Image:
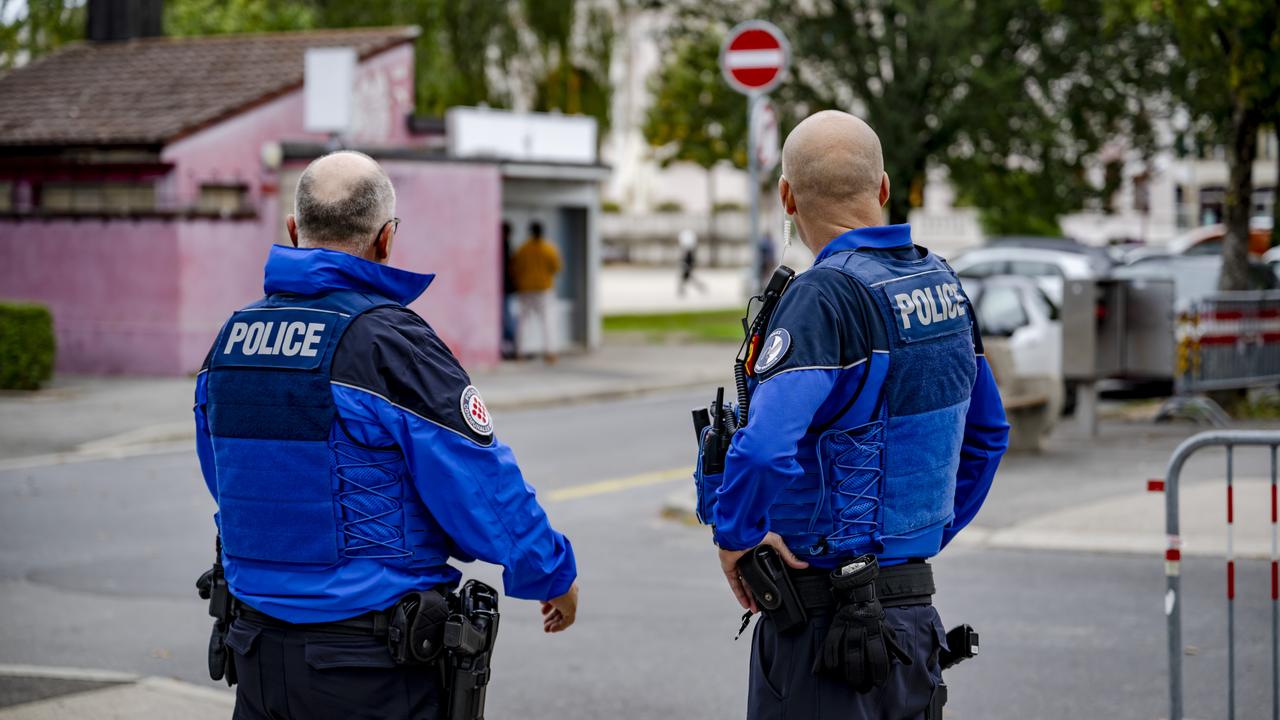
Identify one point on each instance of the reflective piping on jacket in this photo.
(822, 367)
(401, 407)
(904, 277)
(308, 309)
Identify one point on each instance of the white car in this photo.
(1272, 260)
(1020, 314)
(1050, 269)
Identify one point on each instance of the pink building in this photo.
(142, 183)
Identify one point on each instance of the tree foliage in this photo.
(1014, 97)
(695, 116)
(32, 28)
(1231, 51)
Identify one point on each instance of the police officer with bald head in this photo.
(351, 460)
(872, 438)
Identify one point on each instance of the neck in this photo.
(820, 232)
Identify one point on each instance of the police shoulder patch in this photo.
(475, 413)
(773, 349)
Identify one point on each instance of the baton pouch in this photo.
(415, 633)
(706, 484)
(859, 646)
(770, 584)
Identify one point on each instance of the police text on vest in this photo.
(928, 308)
(294, 338)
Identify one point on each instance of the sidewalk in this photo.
(36, 693)
(102, 417)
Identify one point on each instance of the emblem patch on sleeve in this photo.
(475, 413)
(773, 349)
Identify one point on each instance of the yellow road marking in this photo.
(573, 492)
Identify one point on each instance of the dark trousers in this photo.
(287, 674)
(783, 686)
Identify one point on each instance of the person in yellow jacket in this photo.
(534, 268)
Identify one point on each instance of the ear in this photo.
(291, 224)
(884, 189)
(788, 199)
(382, 245)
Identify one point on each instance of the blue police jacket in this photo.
(350, 455)
(875, 424)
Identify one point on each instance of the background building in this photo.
(143, 180)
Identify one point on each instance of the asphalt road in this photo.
(97, 561)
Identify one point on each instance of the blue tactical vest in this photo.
(888, 469)
(292, 486)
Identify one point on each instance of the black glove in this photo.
(859, 644)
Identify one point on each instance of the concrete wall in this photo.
(112, 287)
(146, 297)
(450, 224)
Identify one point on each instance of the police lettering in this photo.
(930, 305)
(289, 338)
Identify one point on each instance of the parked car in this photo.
(1018, 312)
(1049, 268)
(1194, 276)
(1271, 259)
(1208, 240)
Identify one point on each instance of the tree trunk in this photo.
(1275, 193)
(1245, 123)
(899, 204)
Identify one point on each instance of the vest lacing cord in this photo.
(358, 538)
(854, 498)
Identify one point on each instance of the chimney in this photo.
(120, 20)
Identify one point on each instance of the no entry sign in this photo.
(754, 57)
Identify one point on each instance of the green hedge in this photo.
(26, 346)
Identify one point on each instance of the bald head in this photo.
(343, 199)
(833, 158)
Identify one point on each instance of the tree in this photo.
(43, 27)
(1232, 52)
(1013, 96)
(695, 117)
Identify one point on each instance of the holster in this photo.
(770, 584)
(212, 586)
(859, 647)
(415, 631)
(470, 634)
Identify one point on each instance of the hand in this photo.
(559, 613)
(729, 564)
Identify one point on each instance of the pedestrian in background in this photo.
(508, 347)
(874, 433)
(534, 268)
(351, 458)
(688, 241)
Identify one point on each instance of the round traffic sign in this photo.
(754, 57)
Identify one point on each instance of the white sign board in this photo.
(764, 121)
(532, 137)
(328, 81)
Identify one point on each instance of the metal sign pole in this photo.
(753, 184)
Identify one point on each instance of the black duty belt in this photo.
(371, 624)
(896, 586)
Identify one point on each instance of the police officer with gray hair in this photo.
(871, 437)
(351, 459)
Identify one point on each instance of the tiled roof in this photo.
(152, 91)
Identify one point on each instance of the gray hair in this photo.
(342, 200)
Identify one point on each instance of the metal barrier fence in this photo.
(1229, 341)
(1173, 562)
